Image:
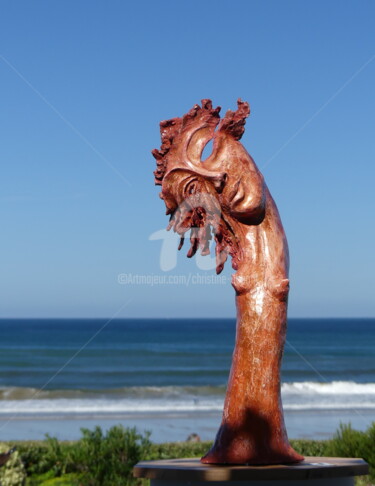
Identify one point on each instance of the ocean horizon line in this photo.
(177, 318)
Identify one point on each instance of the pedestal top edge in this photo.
(188, 469)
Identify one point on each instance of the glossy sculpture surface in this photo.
(225, 197)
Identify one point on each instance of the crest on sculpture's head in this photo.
(195, 192)
(191, 133)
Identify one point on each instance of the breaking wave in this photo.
(336, 395)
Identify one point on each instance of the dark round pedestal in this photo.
(313, 471)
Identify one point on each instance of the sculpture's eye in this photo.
(191, 188)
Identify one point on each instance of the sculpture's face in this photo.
(183, 187)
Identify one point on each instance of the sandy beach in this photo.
(166, 427)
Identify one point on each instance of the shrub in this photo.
(348, 442)
(33, 454)
(314, 448)
(12, 473)
(50, 456)
(108, 460)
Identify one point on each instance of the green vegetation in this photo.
(99, 459)
(13, 472)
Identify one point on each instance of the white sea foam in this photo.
(339, 395)
(329, 388)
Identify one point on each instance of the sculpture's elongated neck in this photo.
(253, 429)
(255, 373)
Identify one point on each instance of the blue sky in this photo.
(83, 88)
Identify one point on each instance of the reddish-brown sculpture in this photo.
(225, 196)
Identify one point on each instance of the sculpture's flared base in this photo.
(243, 456)
(239, 457)
(255, 441)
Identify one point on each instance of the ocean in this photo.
(169, 376)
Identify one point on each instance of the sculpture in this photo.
(227, 193)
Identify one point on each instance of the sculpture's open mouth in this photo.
(205, 222)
